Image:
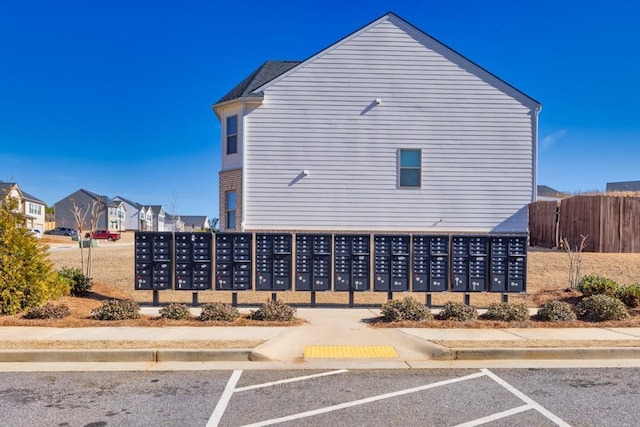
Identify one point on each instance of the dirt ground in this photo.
(113, 271)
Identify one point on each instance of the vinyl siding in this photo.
(475, 132)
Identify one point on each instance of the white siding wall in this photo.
(476, 140)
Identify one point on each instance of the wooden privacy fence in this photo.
(611, 223)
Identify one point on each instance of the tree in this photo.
(27, 277)
(575, 259)
(213, 224)
(80, 213)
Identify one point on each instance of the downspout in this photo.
(243, 186)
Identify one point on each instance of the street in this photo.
(437, 397)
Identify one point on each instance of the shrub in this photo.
(600, 308)
(629, 295)
(175, 311)
(556, 311)
(407, 309)
(458, 311)
(597, 285)
(274, 311)
(219, 312)
(80, 283)
(27, 278)
(117, 309)
(48, 311)
(507, 312)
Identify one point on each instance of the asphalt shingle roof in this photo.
(267, 72)
(623, 186)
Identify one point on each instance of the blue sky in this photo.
(115, 96)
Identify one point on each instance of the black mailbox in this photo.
(469, 263)
(193, 252)
(233, 261)
(352, 262)
(430, 263)
(313, 262)
(273, 262)
(391, 263)
(508, 263)
(153, 260)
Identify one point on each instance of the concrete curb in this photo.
(126, 355)
(540, 353)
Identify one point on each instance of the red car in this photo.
(104, 234)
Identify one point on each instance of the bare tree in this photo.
(575, 259)
(80, 214)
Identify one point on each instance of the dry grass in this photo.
(113, 271)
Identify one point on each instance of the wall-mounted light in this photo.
(378, 101)
(305, 172)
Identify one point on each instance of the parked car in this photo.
(62, 231)
(36, 233)
(104, 234)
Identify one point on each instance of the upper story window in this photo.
(410, 168)
(232, 134)
(35, 209)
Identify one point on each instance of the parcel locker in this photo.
(193, 254)
(352, 262)
(430, 263)
(273, 262)
(233, 261)
(313, 262)
(391, 263)
(153, 260)
(469, 263)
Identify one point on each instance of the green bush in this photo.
(274, 311)
(175, 311)
(117, 309)
(600, 308)
(597, 285)
(80, 283)
(556, 311)
(220, 312)
(458, 311)
(407, 309)
(48, 311)
(629, 294)
(507, 312)
(27, 278)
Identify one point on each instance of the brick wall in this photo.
(230, 180)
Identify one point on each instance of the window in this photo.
(232, 134)
(410, 168)
(35, 209)
(231, 209)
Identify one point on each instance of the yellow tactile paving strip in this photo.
(350, 351)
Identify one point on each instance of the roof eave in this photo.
(252, 99)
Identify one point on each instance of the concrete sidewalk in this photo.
(326, 328)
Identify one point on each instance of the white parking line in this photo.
(497, 416)
(215, 418)
(364, 401)
(525, 398)
(291, 380)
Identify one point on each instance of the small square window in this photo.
(409, 168)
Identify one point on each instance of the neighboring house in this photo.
(387, 129)
(623, 186)
(546, 193)
(156, 217)
(195, 222)
(135, 218)
(173, 222)
(112, 216)
(31, 208)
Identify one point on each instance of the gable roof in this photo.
(265, 73)
(418, 34)
(194, 219)
(129, 202)
(31, 198)
(546, 191)
(623, 186)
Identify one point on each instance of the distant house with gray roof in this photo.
(135, 214)
(30, 207)
(195, 222)
(111, 218)
(623, 186)
(546, 193)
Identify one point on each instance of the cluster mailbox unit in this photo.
(313, 262)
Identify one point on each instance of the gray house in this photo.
(135, 214)
(111, 218)
(623, 186)
(387, 129)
